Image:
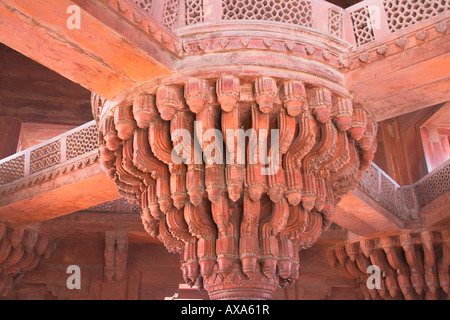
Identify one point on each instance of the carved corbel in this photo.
(148, 220)
(346, 175)
(368, 144)
(255, 181)
(124, 122)
(168, 101)
(300, 147)
(430, 269)
(319, 153)
(342, 257)
(201, 225)
(179, 229)
(363, 263)
(249, 240)
(110, 134)
(320, 101)
(196, 92)
(270, 228)
(338, 156)
(15, 236)
(414, 261)
(107, 159)
(208, 125)
(265, 94)
(128, 166)
(342, 112)
(288, 260)
(171, 243)
(226, 219)
(293, 96)
(444, 263)
(398, 263)
(126, 177)
(311, 232)
(152, 197)
(183, 120)
(147, 162)
(276, 175)
(359, 123)
(144, 110)
(378, 258)
(161, 145)
(234, 171)
(228, 92)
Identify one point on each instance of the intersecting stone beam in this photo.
(360, 214)
(403, 73)
(108, 54)
(80, 189)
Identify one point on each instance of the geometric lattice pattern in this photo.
(194, 11)
(145, 5)
(12, 169)
(335, 23)
(371, 180)
(296, 12)
(408, 199)
(81, 142)
(45, 157)
(437, 184)
(404, 13)
(115, 206)
(170, 13)
(362, 27)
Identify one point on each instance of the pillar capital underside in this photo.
(237, 207)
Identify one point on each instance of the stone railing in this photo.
(73, 149)
(316, 14)
(363, 23)
(406, 201)
(375, 20)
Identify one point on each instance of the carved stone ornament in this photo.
(410, 265)
(21, 250)
(237, 186)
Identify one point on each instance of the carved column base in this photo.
(238, 286)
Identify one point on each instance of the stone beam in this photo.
(404, 72)
(108, 54)
(54, 178)
(57, 197)
(357, 213)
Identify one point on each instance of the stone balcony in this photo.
(364, 23)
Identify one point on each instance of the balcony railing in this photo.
(48, 159)
(406, 201)
(363, 23)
